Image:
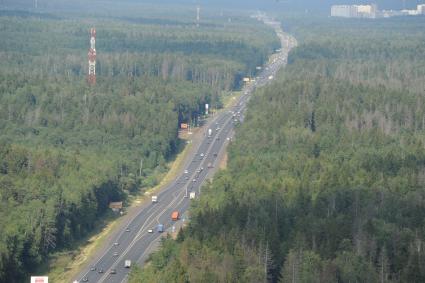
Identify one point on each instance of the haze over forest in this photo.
(322, 6)
(283, 147)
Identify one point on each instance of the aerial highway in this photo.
(140, 234)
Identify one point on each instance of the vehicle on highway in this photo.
(127, 263)
(175, 216)
(101, 270)
(214, 147)
(116, 244)
(115, 253)
(127, 229)
(85, 279)
(92, 268)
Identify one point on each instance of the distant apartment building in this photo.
(421, 9)
(371, 11)
(354, 11)
(345, 11)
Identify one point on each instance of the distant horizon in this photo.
(275, 5)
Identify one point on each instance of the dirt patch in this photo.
(223, 162)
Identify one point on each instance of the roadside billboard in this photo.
(39, 279)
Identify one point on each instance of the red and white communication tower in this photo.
(92, 58)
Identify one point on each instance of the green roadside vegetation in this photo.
(65, 265)
(325, 179)
(67, 149)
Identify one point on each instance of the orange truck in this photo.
(175, 216)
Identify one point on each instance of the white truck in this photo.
(192, 195)
(209, 132)
(127, 263)
(154, 199)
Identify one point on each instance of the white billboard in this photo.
(39, 279)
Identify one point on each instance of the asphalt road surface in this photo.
(134, 242)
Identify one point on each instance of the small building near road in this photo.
(115, 206)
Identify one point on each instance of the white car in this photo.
(150, 231)
(186, 171)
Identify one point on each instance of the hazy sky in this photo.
(288, 5)
(316, 4)
(303, 4)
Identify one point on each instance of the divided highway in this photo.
(135, 242)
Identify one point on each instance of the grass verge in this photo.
(64, 266)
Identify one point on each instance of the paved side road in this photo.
(134, 241)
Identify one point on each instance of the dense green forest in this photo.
(325, 180)
(68, 149)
